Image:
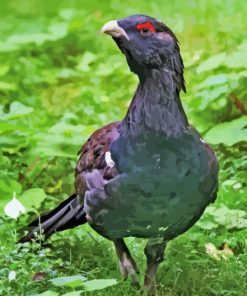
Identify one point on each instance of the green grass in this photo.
(187, 269)
(59, 81)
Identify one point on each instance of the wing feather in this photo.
(92, 156)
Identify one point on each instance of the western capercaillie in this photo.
(149, 175)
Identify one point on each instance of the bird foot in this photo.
(132, 274)
(148, 290)
(135, 280)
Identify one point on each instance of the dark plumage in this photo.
(149, 175)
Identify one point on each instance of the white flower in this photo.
(110, 163)
(12, 276)
(196, 57)
(237, 186)
(14, 208)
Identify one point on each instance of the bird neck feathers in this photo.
(156, 105)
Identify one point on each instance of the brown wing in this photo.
(92, 155)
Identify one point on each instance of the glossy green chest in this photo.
(163, 187)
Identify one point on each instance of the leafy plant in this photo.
(59, 81)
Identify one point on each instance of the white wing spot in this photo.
(202, 140)
(163, 229)
(110, 163)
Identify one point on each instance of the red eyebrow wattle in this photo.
(146, 25)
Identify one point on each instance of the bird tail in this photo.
(68, 214)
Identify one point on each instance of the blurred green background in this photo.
(59, 81)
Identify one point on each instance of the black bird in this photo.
(150, 175)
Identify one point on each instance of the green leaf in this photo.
(9, 185)
(47, 293)
(232, 60)
(63, 127)
(228, 133)
(235, 59)
(74, 293)
(211, 63)
(229, 79)
(4, 126)
(61, 140)
(54, 150)
(13, 142)
(71, 281)
(224, 216)
(67, 13)
(17, 109)
(32, 198)
(58, 30)
(230, 218)
(208, 95)
(23, 39)
(206, 223)
(86, 60)
(99, 284)
(4, 69)
(7, 86)
(213, 80)
(66, 73)
(8, 47)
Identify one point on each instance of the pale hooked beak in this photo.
(112, 28)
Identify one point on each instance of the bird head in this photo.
(147, 44)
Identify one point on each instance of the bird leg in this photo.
(154, 252)
(127, 264)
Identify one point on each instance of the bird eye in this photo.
(145, 31)
(145, 28)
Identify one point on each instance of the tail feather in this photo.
(68, 214)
